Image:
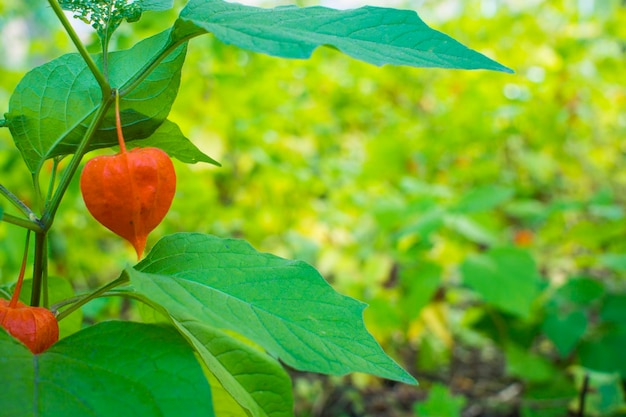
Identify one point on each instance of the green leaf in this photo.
(614, 309)
(169, 138)
(440, 403)
(614, 261)
(52, 106)
(284, 306)
(470, 229)
(483, 199)
(419, 284)
(104, 16)
(505, 277)
(579, 291)
(254, 379)
(244, 379)
(110, 369)
(564, 329)
(156, 5)
(528, 366)
(371, 34)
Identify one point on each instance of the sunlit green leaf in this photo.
(255, 380)
(505, 277)
(483, 198)
(284, 306)
(169, 138)
(371, 34)
(53, 104)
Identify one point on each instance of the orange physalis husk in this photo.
(130, 193)
(36, 327)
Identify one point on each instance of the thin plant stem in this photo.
(44, 275)
(53, 177)
(122, 279)
(583, 396)
(34, 225)
(118, 123)
(20, 278)
(39, 268)
(104, 85)
(104, 39)
(19, 204)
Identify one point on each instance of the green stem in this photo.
(104, 40)
(81, 301)
(39, 268)
(53, 178)
(104, 85)
(44, 276)
(20, 205)
(35, 226)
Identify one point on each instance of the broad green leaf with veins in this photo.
(244, 376)
(53, 104)
(109, 369)
(284, 306)
(371, 34)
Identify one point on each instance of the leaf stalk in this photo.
(22, 207)
(78, 302)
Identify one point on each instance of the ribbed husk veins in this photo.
(36, 327)
(130, 193)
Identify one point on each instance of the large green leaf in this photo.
(244, 379)
(110, 369)
(52, 106)
(564, 329)
(506, 277)
(284, 306)
(371, 34)
(255, 380)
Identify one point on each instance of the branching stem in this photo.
(78, 302)
(21, 206)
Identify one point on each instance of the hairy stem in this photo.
(104, 85)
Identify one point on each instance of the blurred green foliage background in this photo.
(480, 215)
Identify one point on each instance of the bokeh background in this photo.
(480, 215)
